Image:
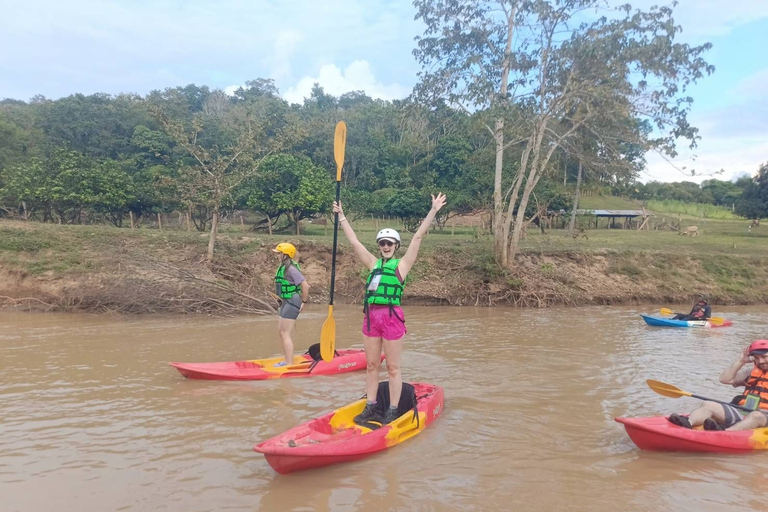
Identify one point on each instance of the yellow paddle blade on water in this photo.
(666, 311)
(328, 337)
(665, 389)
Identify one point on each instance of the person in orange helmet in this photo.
(293, 290)
(716, 416)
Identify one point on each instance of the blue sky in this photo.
(59, 48)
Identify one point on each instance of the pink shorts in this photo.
(384, 325)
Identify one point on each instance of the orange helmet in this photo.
(286, 248)
(759, 347)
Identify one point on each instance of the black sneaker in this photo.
(390, 416)
(368, 414)
(680, 421)
(710, 424)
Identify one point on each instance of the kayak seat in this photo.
(407, 403)
(314, 353)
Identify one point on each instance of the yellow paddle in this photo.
(328, 333)
(714, 319)
(671, 391)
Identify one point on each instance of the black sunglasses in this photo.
(386, 243)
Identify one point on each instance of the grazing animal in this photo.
(690, 231)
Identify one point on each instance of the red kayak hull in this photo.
(334, 438)
(657, 434)
(348, 360)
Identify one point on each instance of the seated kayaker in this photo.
(716, 416)
(700, 311)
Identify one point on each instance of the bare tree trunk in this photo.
(297, 224)
(212, 237)
(499, 231)
(269, 224)
(499, 237)
(26, 211)
(565, 174)
(189, 223)
(130, 213)
(159, 222)
(242, 224)
(575, 201)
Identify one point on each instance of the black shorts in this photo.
(734, 415)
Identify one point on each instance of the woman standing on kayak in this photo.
(288, 283)
(384, 323)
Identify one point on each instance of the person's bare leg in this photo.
(286, 329)
(707, 410)
(754, 419)
(393, 351)
(373, 363)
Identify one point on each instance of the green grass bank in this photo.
(101, 269)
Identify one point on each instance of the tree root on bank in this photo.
(16, 302)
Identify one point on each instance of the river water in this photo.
(93, 418)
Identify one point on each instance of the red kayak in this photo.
(657, 434)
(347, 360)
(336, 438)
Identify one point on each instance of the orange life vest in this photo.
(757, 385)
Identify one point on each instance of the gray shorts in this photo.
(734, 415)
(290, 307)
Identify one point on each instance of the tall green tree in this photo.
(540, 71)
(225, 146)
(753, 203)
(292, 185)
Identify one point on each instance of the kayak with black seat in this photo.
(335, 437)
(656, 321)
(656, 433)
(303, 365)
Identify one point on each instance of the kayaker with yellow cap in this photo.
(293, 290)
(716, 416)
(384, 323)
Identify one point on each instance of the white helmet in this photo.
(388, 234)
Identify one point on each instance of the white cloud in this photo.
(734, 137)
(279, 62)
(752, 87)
(706, 18)
(358, 76)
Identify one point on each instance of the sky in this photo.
(57, 48)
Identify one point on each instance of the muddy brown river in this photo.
(93, 418)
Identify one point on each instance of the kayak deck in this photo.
(335, 438)
(656, 433)
(262, 369)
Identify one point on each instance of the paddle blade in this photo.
(339, 143)
(716, 320)
(665, 389)
(328, 337)
(666, 311)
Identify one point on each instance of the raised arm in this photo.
(407, 261)
(733, 375)
(368, 259)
